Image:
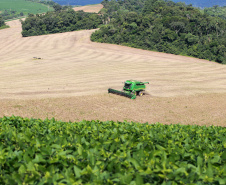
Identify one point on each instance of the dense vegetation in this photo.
(63, 19)
(46, 2)
(2, 23)
(14, 9)
(197, 3)
(216, 11)
(33, 151)
(164, 26)
(157, 25)
(11, 14)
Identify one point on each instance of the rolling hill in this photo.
(23, 6)
(71, 79)
(65, 76)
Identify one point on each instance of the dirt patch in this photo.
(71, 80)
(90, 8)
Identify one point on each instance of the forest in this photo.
(2, 23)
(63, 19)
(163, 26)
(216, 11)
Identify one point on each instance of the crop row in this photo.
(34, 151)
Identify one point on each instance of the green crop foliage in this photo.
(35, 151)
(23, 6)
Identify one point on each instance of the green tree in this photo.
(163, 26)
(57, 7)
(1, 21)
(59, 21)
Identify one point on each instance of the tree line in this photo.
(163, 26)
(46, 2)
(158, 25)
(2, 23)
(216, 11)
(63, 19)
(11, 14)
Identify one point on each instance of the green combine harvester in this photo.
(131, 89)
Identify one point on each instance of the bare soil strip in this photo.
(71, 78)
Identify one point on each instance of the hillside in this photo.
(216, 11)
(165, 27)
(91, 8)
(71, 78)
(104, 138)
(13, 9)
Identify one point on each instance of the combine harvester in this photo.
(131, 89)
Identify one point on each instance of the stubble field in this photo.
(89, 8)
(71, 78)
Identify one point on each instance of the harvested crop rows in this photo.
(75, 72)
(90, 8)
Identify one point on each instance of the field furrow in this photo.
(72, 66)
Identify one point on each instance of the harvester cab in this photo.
(131, 89)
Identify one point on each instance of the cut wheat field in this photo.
(89, 8)
(71, 78)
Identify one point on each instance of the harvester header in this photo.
(131, 89)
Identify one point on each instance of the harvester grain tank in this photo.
(131, 89)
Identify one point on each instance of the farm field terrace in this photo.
(203, 109)
(70, 83)
(23, 6)
(89, 8)
(94, 152)
(71, 79)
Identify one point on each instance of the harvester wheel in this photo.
(141, 93)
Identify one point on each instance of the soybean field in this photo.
(35, 151)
